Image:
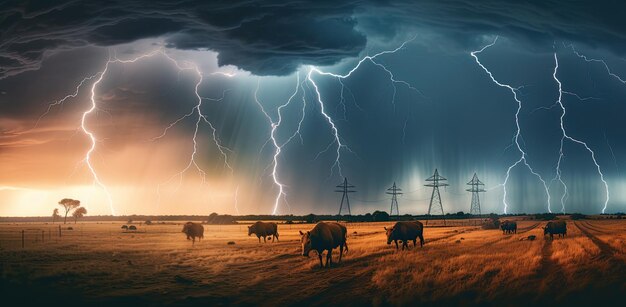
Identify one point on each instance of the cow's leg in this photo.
(405, 243)
(340, 252)
(264, 240)
(321, 263)
(396, 244)
(415, 242)
(329, 258)
(193, 241)
(259, 237)
(421, 240)
(277, 237)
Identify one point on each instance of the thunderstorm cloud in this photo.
(428, 105)
(276, 37)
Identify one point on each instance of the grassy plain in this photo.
(99, 264)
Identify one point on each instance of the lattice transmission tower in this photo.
(435, 181)
(394, 191)
(345, 189)
(477, 187)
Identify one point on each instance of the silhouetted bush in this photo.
(493, 222)
(578, 216)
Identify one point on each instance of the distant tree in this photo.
(68, 204)
(310, 218)
(380, 216)
(211, 219)
(78, 213)
(55, 215)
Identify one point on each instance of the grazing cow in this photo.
(125, 227)
(556, 227)
(265, 230)
(193, 230)
(508, 227)
(406, 231)
(324, 236)
(132, 227)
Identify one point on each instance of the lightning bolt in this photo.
(603, 62)
(200, 118)
(279, 147)
(517, 135)
(565, 136)
(334, 130)
(94, 106)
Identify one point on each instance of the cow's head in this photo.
(389, 232)
(186, 227)
(250, 230)
(545, 230)
(305, 240)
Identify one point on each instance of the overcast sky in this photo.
(425, 104)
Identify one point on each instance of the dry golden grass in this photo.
(461, 264)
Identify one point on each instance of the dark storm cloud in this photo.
(275, 37)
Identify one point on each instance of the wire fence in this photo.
(34, 236)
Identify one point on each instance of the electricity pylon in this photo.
(345, 189)
(394, 199)
(477, 187)
(435, 181)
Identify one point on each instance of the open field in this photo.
(97, 263)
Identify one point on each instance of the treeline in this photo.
(376, 216)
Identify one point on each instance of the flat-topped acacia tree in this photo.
(78, 213)
(68, 204)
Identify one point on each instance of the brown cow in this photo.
(508, 227)
(264, 230)
(193, 230)
(324, 236)
(405, 231)
(556, 227)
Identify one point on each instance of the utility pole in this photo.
(435, 181)
(393, 191)
(477, 187)
(345, 189)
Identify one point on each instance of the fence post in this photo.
(22, 238)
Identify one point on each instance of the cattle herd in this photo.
(326, 236)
